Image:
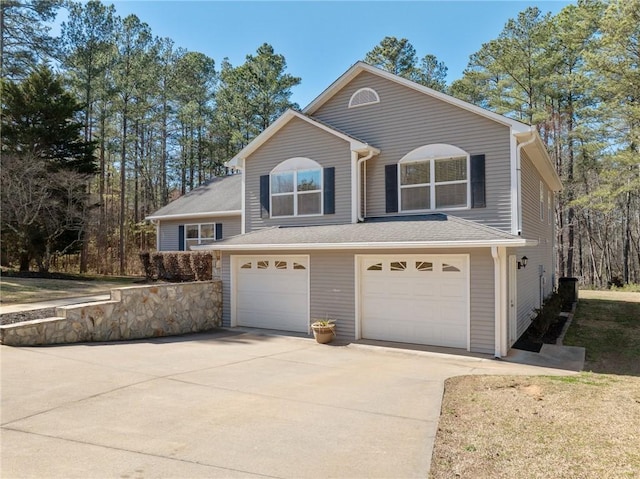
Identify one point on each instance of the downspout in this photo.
(243, 227)
(500, 298)
(519, 180)
(497, 300)
(358, 172)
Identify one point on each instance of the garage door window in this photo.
(424, 266)
(398, 265)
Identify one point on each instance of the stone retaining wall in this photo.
(132, 313)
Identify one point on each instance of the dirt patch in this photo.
(11, 318)
(538, 427)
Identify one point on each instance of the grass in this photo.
(27, 290)
(607, 324)
(582, 425)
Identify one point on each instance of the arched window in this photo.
(364, 96)
(434, 177)
(296, 188)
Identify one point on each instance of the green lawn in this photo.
(28, 290)
(607, 324)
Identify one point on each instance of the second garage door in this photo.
(415, 299)
(272, 292)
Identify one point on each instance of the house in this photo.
(206, 214)
(403, 213)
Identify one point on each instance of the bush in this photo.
(547, 315)
(158, 261)
(171, 266)
(185, 272)
(202, 265)
(149, 270)
(177, 266)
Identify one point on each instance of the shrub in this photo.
(177, 266)
(185, 272)
(149, 270)
(547, 315)
(158, 261)
(202, 265)
(171, 266)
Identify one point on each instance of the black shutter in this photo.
(391, 187)
(218, 231)
(264, 196)
(477, 182)
(181, 238)
(329, 185)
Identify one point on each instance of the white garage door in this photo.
(272, 292)
(415, 299)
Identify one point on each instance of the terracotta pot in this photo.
(324, 334)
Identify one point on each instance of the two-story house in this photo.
(403, 213)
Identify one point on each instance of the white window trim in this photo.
(199, 238)
(371, 90)
(549, 205)
(410, 158)
(296, 165)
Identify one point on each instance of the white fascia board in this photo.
(362, 66)
(541, 160)
(514, 243)
(287, 116)
(190, 216)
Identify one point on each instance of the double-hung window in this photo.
(296, 188)
(429, 182)
(199, 234)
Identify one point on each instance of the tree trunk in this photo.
(24, 260)
(123, 178)
(626, 248)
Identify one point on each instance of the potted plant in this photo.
(324, 330)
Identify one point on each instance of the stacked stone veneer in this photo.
(132, 313)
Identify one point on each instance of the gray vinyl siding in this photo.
(332, 290)
(299, 139)
(168, 237)
(535, 282)
(406, 119)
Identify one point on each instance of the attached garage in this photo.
(271, 292)
(421, 299)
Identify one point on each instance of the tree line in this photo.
(156, 121)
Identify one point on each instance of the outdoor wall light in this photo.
(523, 262)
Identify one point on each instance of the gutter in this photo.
(515, 243)
(188, 216)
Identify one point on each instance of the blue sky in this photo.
(321, 40)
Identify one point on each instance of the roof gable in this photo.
(360, 67)
(287, 116)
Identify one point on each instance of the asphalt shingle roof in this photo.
(433, 228)
(217, 195)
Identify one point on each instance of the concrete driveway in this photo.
(225, 404)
